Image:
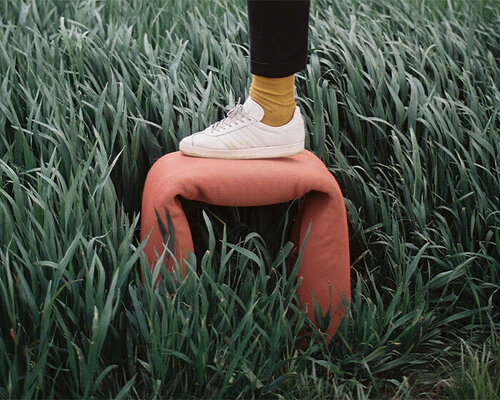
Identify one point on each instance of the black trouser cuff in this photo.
(278, 31)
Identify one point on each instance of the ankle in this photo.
(276, 96)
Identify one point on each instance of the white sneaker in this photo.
(242, 135)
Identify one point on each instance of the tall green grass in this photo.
(401, 102)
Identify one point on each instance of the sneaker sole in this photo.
(244, 154)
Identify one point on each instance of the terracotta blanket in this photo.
(325, 263)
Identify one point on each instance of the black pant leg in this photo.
(278, 36)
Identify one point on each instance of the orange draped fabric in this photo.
(325, 264)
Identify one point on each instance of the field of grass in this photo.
(402, 103)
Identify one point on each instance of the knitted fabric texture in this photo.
(276, 96)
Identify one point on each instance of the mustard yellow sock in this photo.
(276, 96)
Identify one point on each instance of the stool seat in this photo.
(325, 264)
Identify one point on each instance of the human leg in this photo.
(278, 36)
(278, 49)
(269, 124)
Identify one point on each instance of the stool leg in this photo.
(157, 199)
(324, 280)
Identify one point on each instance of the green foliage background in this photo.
(401, 102)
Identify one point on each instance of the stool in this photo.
(325, 264)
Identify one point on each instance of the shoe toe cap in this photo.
(197, 139)
(188, 140)
(205, 141)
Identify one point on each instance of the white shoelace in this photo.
(234, 116)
